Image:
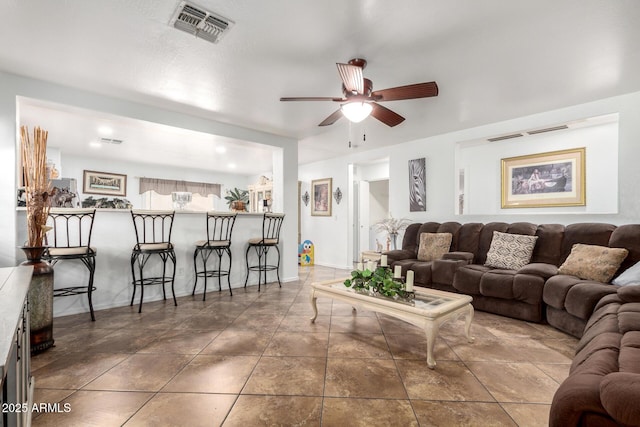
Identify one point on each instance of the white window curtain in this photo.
(168, 186)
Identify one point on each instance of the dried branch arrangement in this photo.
(36, 183)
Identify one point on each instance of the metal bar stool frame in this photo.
(271, 225)
(219, 230)
(153, 237)
(71, 237)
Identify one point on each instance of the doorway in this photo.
(370, 204)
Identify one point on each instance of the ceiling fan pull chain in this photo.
(349, 133)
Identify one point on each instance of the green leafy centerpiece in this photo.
(379, 282)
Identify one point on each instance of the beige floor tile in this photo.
(179, 409)
(211, 321)
(515, 382)
(141, 372)
(448, 381)
(255, 358)
(76, 370)
(358, 345)
(357, 324)
(528, 415)
(181, 342)
(239, 343)
(125, 340)
(302, 376)
(298, 344)
(367, 378)
(367, 413)
(213, 374)
(460, 414)
(296, 323)
(270, 411)
(249, 321)
(557, 371)
(414, 346)
(95, 408)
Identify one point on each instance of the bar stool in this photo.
(219, 228)
(271, 224)
(71, 235)
(153, 235)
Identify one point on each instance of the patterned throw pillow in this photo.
(510, 251)
(591, 262)
(433, 245)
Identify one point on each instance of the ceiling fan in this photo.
(359, 100)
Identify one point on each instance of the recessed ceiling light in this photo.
(220, 149)
(95, 144)
(232, 165)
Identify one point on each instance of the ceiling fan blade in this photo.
(313, 98)
(332, 118)
(352, 78)
(385, 115)
(418, 90)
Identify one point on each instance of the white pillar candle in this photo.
(383, 260)
(397, 272)
(359, 266)
(409, 287)
(371, 265)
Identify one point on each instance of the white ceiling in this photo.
(493, 59)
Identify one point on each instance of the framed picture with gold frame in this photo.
(555, 178)
(321, 197)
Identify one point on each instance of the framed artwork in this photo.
(110, 184)
(321, 197)
(417, 185)
(550, 179)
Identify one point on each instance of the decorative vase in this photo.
(394, 237)
(40, 299)
(237, 206)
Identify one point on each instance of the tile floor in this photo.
(254, 359)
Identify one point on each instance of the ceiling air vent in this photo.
(111, 141)
(551, 129)
(503, 137)
(203, 24)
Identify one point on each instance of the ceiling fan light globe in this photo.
(356, 111)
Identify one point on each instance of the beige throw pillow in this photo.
(591, 262)
(433, 245)
(510, 251)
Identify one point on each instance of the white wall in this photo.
(440, 154)
(482, 164)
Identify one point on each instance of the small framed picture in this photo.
(321, 197)
(110, 184)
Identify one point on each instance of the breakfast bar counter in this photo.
(114, 237)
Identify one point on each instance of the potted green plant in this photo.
(237, 199)
(377, 282)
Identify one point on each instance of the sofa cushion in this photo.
(617, 390)
(539, 269)
(592, 262)
(510, 251)
(629, 293)
(630, 276)
(433, 245)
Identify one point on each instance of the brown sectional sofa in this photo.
(603, 387)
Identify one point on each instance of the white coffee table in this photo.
(430, 308)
